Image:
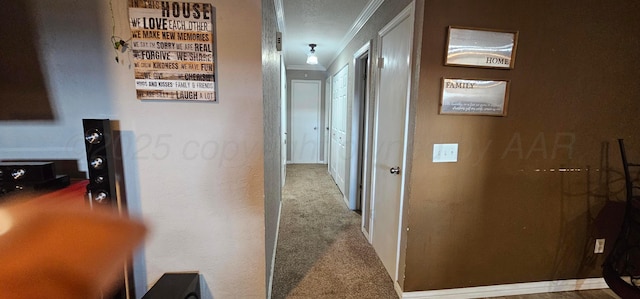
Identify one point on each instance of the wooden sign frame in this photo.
(484, 48)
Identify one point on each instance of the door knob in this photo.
(395, 170)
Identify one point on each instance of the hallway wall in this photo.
(272, 122)
(193, 170)
(529, 193)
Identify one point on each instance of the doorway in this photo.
(350, 111)
(305, 121)
(390, 137)
(360, 170)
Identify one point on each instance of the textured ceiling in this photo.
(322, 22)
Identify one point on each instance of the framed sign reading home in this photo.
(474, 97)
(485, 48)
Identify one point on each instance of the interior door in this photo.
(305, 121)
(339, 86)
(394, 48)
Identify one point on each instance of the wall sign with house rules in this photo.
(174, 50)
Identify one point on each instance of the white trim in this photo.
(328, 83)
(397, 288)
(405, 13)
(511, 289)
(326, 113)
(366, 234)
(275, 246)
(360, 21)
(284, 121)
(355, 126)
(409, 13)
(364, 49)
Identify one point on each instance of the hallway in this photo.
(321, 251)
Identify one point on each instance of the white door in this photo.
(305, 121)
(338, 158)
(394, 48)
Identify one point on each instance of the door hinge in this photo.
(381, 62)
(278, 41)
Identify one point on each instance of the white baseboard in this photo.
(511, 289)
(398, 289)
(366, 234)
(273, 258)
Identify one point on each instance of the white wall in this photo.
(194, 171)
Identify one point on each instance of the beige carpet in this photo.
(321, 250)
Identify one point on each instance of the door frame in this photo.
(408, 12)
(318, 106)
(361, 138)
(283, 119)
(327, 118)
(326, 130)
(329, 112)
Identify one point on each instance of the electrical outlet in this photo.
(599, 246)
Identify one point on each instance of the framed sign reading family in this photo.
(474, 97)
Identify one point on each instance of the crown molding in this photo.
(362, 19)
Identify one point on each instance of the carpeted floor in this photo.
(321, 251)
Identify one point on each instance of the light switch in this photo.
(447, 152)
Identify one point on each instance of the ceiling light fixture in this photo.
(311, 57)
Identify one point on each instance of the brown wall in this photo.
(504, 213)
